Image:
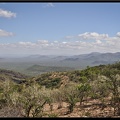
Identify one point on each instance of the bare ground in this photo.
(90, 108)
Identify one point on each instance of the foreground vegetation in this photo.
(79, 91)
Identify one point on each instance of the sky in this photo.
(59, 28)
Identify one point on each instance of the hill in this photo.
(91, 92)
(11, 75)
(38, 69)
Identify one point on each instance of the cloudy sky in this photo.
(59, 28)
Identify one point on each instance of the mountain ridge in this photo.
(80, 61)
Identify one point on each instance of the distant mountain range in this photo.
(76, 61)
(96, 57)
(43, 63)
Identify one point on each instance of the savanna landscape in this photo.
(90, 92)
(59, 59)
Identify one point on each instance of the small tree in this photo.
(99, 90)
(32, 101)
(9, 93)
(71, 96)
(58, 96)
(113, 82)
(83, 89)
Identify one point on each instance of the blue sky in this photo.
(59, 28)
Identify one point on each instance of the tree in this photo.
(32, 100)
(113, 84)
(70, 96)
(83, 89)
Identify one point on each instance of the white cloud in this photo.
(98, 42)
(49, 5)
(42, 41)
(7, 14)
(92, 35)
(55, 41)
(64, 42)
(26, 44)
(118, 34)
(109, 44)
(4, 33)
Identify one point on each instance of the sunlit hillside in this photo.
(91, 92)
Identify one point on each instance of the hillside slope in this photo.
(92, 92)
(11, 75)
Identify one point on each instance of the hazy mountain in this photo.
(59, 58)
(92, 59)
(38, 56)
(52, 61)
(39, 68)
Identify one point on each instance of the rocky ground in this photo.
(90, 108)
